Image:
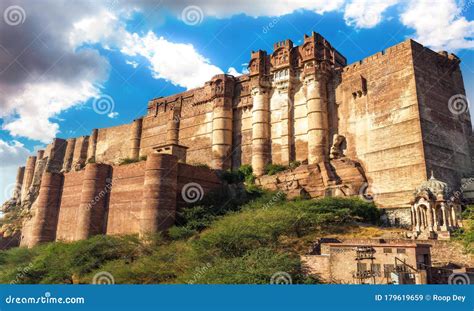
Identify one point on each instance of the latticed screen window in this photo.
(401, 250)
(376, 269)
(361, 266)
(387, 250)
(387, 269)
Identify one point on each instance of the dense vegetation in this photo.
(466, 234)
(232, 237)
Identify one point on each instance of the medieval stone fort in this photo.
(381, 125)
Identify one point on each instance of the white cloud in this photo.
(263, 8)
(233, 71)
(41, 72)
(132, 63)
(178, 63)
(440, 26)
(366, 13)
(37, 103)
(104, 27)
(12, 155)
(113, 115)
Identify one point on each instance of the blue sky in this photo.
(58, 67)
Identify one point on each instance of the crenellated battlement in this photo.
(408, 44)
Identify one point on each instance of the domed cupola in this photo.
(433, 213)
(434, 187)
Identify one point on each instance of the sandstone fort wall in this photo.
(115, 200)
(382, 122)
(380, 119)
(446, 128)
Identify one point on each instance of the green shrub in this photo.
(203, 165)
(272, 169)
(91, 160)
(214, 204)
(255, 267)
(294, 164)
(232, 177)
(181, 233)
(126, 161)
(262, 225)
(163, 265)
(143, 158)
(55, 263)
(465, 235)
(468, 213)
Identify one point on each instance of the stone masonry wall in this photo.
(113, 144)
(379, 116)
(70, 200)
(445, 120)
(124, 199)
(124, 207)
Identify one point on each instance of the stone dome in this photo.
(433, 186)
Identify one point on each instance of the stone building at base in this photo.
(373, 262)
(378, 126)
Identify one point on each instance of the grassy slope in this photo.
(216, 243)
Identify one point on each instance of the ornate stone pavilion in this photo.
(434, 213)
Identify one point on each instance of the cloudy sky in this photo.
(67, 67)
